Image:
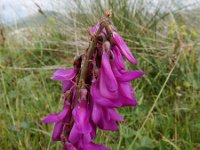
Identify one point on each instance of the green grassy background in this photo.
(166, 45)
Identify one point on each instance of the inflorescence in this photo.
(97, 85)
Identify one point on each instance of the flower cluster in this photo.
(91, 99)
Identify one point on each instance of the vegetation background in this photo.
(165, 40)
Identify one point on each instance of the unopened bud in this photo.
(83, 93)
(108, 13)
(106, 46)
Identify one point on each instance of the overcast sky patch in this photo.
(11, 10)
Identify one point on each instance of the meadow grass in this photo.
(166, 45)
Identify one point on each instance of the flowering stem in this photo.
(80, 81)
(97, 85)
(105, 23)
(84, 70)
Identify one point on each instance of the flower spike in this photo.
(97, 85)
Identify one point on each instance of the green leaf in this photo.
(127, 132)
(147, 142)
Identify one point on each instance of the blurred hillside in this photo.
(37, 19)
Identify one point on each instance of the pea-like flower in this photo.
(60, 119)
(97, 85)
(66, 76)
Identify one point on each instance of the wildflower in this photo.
(123, 48)
(66, 76)
(107, 89)
(60, 119)
(105, 118)
(82, 128)
(96, 87)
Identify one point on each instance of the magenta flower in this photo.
(118, 91)
(101, 100)
(81, 114)
(126, 95)
(69, 146)
(84, 146)
(98, 84)
(83, 130)
(60, 119)
(77, 138)
(93, 146)
(82, 125)
(66, 76)
(105, 118)
(107, 89)
(126, 76)
(95, 28)
(123, 48)
(87, 146)
(118, 58)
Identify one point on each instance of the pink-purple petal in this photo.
(126, 94)
(115, 115)
(127, 76)
(57, 131)
(123, 48)
(53, 118)
(95, 28)
(69, 146)
(118, 59)
(108, 84)
(63, 74)
(74, 135)
(66, 85)
(81, 117)
(93, 146)
(101, 100)
(102, 117)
